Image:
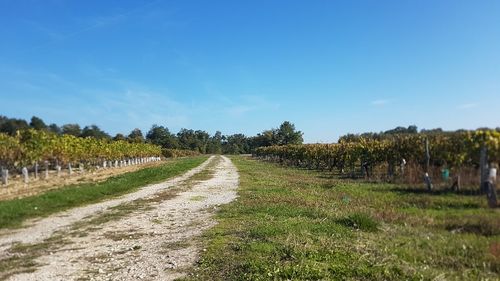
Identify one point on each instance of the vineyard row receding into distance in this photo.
(407, 158)
(39, 150)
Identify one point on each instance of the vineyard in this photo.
(30, 148)
(405, 156)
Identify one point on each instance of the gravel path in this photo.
(157, 241)
(41, 229)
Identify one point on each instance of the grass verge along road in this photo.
(292, 224)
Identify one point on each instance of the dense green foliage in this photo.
(457, 149)
(185, 139)
(30, 146)
(14, 212)
(297, 224)
(175, 153)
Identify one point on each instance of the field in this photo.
(178, 221)
(297, 224)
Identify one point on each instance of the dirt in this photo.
(147, 235)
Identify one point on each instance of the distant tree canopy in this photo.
(236, 144)
(95, 132)
(285, 134)
(160, 135)
(400, 131)
(11, 125)
(37, 123)
(119, 137)
(71, 129)
(54, 129)
(197, 140)
(136, 136)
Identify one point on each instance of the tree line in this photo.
(186, 139)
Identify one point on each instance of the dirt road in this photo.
(151, 234)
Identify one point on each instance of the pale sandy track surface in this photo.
(155, 239)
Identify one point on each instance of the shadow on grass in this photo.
(479, 225)
(437, 192)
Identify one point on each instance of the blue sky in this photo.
(330, 67)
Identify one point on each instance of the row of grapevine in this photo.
(453, 150)
(175, 153)
(31, 146)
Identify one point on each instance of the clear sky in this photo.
(329, 66)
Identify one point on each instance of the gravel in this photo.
(160, 242)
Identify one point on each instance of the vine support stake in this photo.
(36, 170)
(491, 192)
(26, 177)
(5, 176)
(46, 170)
(427, 178)
(483, 164)
(427, 156)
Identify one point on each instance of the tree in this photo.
(37, 123)
(193, 140)
(14, 125)
(11, 126)
(54, 129)
(71, 129)
(187, 139)
(236, 144)
(286, 134)
(160, 135)
(202, 140)
(412, 129)
(95, 132)
(119, 137)
(136, 136)
(215, 143)
(266, 138)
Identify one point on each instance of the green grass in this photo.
(14, 212)
(291, 224)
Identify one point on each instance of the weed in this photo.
(360, 221)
